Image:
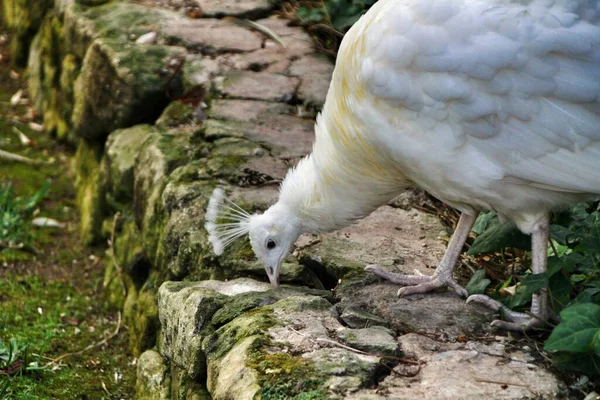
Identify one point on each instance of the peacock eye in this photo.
(271, 244)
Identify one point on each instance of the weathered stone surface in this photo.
(122, 147)
(455, 372)
(23, 17)
(315, 73)
(234, 380)
(260, 86)
(396, 239)
(140, 314)
(378, 340)
(153, 379)
(185, 310)
(51, 72)
(443, 315)
(158, 157)
(285, 135)
(357, 318)
(246, 110)
(235, 8)
(178, 114)
(297, 41)
(211, 35)
(111, 75)
(90, 191)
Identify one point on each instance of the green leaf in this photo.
(478, 283)
(578, 330)
(499, 237)
(483, 221)
(559, 233)
(582, 362)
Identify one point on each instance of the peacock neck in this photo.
(330, 189)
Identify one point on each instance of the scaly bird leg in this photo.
(540, 306)
(443, 273)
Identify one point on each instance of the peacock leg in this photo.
(443, 273)
(540, 307)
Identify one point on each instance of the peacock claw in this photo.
(417, 283)
(516, 321)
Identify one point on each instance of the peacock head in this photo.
(272, 234)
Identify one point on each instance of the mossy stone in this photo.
(90, 190)
(122, 148)
(153, 377)
(23, 17)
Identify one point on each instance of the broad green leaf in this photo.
(499, 237)
(560, 233)
(577, 331)
(582, 362)
(484, 220)
(478, 283)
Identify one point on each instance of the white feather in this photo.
(224, 223)
(493, 106)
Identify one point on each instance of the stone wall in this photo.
(163, 106)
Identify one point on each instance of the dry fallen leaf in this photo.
(16, 98)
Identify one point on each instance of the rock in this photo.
(23, 18)
(357, 318)
(140, 314)
(111, 74)
(377, 340)
(263, 86)
(246, 110)
(234, 380)
(391, 238)
(90, 191)
(185, 310)
(184, 387)
(297, 41)
(452, 372)
(158, 157)
(178, 114)
(235, 8)
(442, 315)
(153, 379)
(51, 72)
(122, 147)
(315, 73)
(210, 35)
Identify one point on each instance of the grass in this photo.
(51, 298)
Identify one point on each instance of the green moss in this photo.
(255, 322)
(120, 21)
(90, 191)
(24, 17)
(177, 113)
(283, 376)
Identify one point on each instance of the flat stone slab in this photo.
(463, 371)
(235, 8)
(315, 73)
(396, 239)
(264, 86)
(211, 35)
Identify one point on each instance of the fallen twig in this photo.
(111, 246)
(5, 155)
(260, 28)
(502, 383)
(333, 342)
(93, 345)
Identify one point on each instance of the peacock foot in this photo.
(417, 283)
(515, 321)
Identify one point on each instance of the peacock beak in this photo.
(273, 274)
